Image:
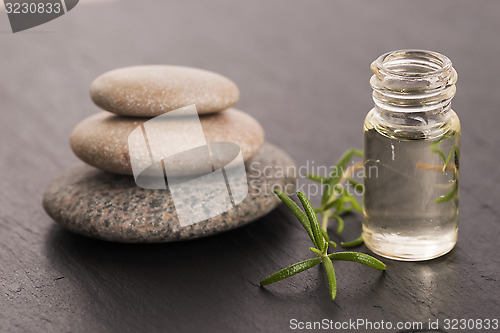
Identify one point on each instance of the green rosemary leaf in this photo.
(313, 219)
(353, 201)
(328, 190)
(457, 158)
(353, 182)
(315, 250)
(361, 258)
(325, 235)
(340, 223)
(448, 159)
(336, 174)
(330, 273)
(316, 178)
(353, 243)
(357, 185)
(332, 204)
(340, 209)
(291, 270)
(299, 213)
(437, 151)
(435, 143)
(448, 196)
(343, 209)
(346, 158)
(457, 153)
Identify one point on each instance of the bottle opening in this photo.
(413, 81)
(412, 63)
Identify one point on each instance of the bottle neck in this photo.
(419, 121)
(413, 84)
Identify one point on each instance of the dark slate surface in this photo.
(302, 67)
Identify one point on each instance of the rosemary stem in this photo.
(347, 173)
(324, 220)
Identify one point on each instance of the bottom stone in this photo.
(112, 207)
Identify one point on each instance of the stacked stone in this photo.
(104, 202)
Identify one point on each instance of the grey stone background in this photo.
(303, 71)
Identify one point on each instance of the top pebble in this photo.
(148, 91)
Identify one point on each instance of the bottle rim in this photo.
(413, 80)
(412, 63)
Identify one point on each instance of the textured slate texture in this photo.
(303, 69)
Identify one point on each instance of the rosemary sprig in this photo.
(353, 243)
(337, 200)
(319, 238)
(450, 162)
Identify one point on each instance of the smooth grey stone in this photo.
(148, 91)
(112, 207)
(101, 140)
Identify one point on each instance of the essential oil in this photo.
(411, 157)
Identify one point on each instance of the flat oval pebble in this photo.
(148, 91)
(112, 207)
(101, 140)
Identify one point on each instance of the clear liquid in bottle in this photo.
(411, 191)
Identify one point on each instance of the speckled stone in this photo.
(111, 207)
(148, 91)
(101, 140)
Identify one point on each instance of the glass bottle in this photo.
(412, 151)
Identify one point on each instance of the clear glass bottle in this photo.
(412, 150)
